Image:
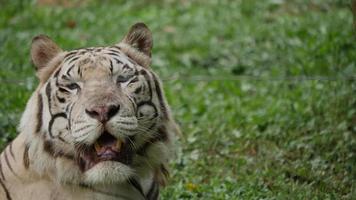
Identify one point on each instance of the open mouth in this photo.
(106, 148)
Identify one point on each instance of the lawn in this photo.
(264, 91)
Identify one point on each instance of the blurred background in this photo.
(265, 91)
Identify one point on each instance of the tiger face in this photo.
(101, 112)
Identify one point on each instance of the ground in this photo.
(264, 91)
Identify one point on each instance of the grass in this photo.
(237, 75)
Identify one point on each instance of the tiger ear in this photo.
(43, 50)
(140, 38)
(137, 44)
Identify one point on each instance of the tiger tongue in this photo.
(107, 154)
(108, 148)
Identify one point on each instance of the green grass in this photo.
(236, 75)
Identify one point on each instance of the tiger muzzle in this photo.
(106, 148)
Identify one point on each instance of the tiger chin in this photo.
(97, 126)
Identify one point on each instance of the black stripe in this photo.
(48, 94)
(79, 71)
(39, 113)
(57, 82)
(48, 147)
(73, 59)
(70, 116)
(63, 90)
(117, 60)
(1, 171)
(148, 81)
(133, 103)
(114, 51)
(113, 54)
(60, 99)
(136, 185)
(54, 117)
(82, 52)
(126, 66)
(149, 103)
(111, 66)
(69, 57)
(134, 80)
(8, 163)
(62, 139)
(162, 134)
(11, 152)
(84, 127)
(8, 197)
(70, 54)
(116, 47)
(57, 73)
(70, 69)
(164, 171)
(130, 58)
(160, 96)
(65, 77)
(26, 159)
(153, 193)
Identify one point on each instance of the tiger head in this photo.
(99, 114)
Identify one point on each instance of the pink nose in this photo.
(103, 113)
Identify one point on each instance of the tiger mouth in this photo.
(106, 148)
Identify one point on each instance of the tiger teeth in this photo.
(97, 146)
(119, 144)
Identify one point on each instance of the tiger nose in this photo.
(103, 113)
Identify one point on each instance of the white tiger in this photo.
(96, 127)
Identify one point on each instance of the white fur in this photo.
(108, 172)
(139, 57)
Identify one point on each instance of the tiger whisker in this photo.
(82, 128)
(86, 133)
(79, 122)
(132, 144)
(139, 118)
(148, 163)
(125, 123)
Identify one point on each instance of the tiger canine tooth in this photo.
(119, 144)
(97, 146)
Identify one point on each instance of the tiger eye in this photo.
(72, 86)
(122, 79)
